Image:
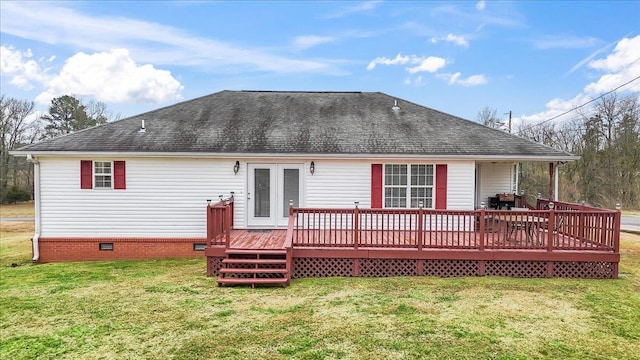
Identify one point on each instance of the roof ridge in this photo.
(301, 91)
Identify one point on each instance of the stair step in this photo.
(251, 281)
(254, 261)
(252, 271)
(256, 251)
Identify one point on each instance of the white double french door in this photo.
(270, 189)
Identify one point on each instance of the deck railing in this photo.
(220, 222)
(593, 226)
(450, 229)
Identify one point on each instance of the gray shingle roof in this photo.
(297, 122)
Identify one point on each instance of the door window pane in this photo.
(262, 193)
(291, 189)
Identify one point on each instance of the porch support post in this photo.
(555, 183)
(551, 182)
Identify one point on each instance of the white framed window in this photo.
(102, 174)
(406, 185)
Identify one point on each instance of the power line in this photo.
(579, 106)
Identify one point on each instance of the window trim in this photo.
(408, 186)
(95, 175)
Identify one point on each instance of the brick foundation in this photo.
(83, 249)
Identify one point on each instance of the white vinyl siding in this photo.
(495, 178)
(338, 184)
(164, 198)
(460, 185)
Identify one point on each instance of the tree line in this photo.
(20, 126)
(606, 137)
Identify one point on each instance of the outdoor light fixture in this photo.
(618, 206)
(420, 204)
(236, 167)
(482, 205)
(551, 206)
(312, 168)
(208, 201)
(356, 203)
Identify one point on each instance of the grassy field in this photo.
(17, 210)
(169, 309)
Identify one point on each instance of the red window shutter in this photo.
(441, 186)
(119, 175)
(376, 186)
(86, 174)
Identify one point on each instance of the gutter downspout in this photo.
(36, 200)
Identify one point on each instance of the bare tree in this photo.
(489, 117)
(15, 130)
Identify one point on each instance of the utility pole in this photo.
(509, 120)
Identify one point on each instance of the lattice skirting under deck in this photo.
(213, 265)
(327, 267)
(371, 267)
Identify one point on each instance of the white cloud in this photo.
(457, 40)
(24, 71)
(309, 41)
(53, 24)
(455, 79)
(620, 66)
(565, 42)
(422, 64)
(107, 76)
(362, 7)
(417, 82)
(112, 77)
(554, 108)
(430, 64)
(398, 60)
(481, 5)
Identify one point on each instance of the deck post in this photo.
(227, 218)
(420, 226)
(356, 226)
(551, 227)
(232, 204)
(616, 232)
(209, 225)
(482, 228)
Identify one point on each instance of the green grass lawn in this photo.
(169, 309)
(17, 210)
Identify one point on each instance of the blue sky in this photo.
(536, 59)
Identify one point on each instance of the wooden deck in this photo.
(570, 241)
(257, 239)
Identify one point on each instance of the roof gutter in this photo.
(345, 156)
(35, 241)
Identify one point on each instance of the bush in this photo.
(15, 195)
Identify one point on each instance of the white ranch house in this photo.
(138, 187)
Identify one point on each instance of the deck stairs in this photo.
(255, 267)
